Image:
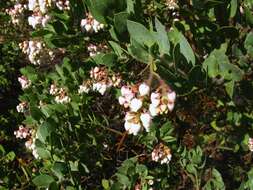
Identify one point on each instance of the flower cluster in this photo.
(91, 25)
(161, 153)
(17, 13)
(63, 5)
(24, 82)
(142, 106)
(39, 5)
(60, 94)
(100, 80)
(133, 97)
(22, 132)
(30, 144)
(162, 102)
(38, 19)
(22, 107)
(250, 144)
(96, 49)
(37, 52)
(39, 16)
(171, 4)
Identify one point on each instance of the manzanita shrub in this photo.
(127, 94)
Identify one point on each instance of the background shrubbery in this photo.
(65, 72)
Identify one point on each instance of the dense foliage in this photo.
(126, 94)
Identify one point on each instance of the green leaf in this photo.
(215, 182)
(141, 169)
(140, 34)
(63, 16)
(30, 73)
(166, 131)
(249, 16)
(120, 23)
(74, 166)
(43, 153)
(10, 156)
(130, 6)
(248, 43)
(70, 188)
(116, 48)
(191, 169)
(36, 113)
(105, 184)
(217, 64)
(233, 8)
(185, 49)
(59, 169)
(44, 131)
(139, 52)
(47, 110)
(123, 179)
(230, 88)
(43, 180)
(214, 61)
(109, 59)
(162, 38)
(100, 10)
(2, 151)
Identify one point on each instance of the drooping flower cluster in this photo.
(162, 154)
(133, 98)
(60, 94)
(40, 5)
(63, 5)
(91, 25)
(142, 107)
(40, 15)
(27, 133)
(250, 144)
(96, 49)
(24, 82)
(171, 4)
(17, 13)
(162, 102)
(22, 132)
(30, 145)
(100, 80)
(38, 19)
(37, 52)
(22, 107)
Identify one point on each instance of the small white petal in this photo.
(153, 110)
(122, 100)
(144, 89)
(88, 27)
(171, 96)
(127, 125)
(135, 104)
(102, 89)
(135, 128)
(146, 120)
(170, 106)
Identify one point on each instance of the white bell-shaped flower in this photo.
(155, 98)
(153, 110)
(146, 120)
(171, 96)
(135, 104)
(144, 89)
(135, 128)
(171, 106)
(122, 100)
